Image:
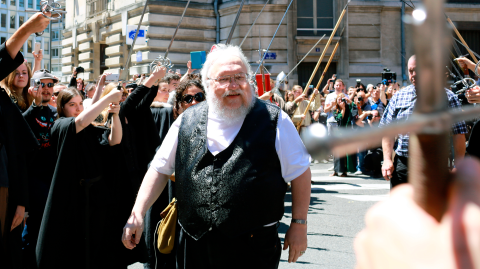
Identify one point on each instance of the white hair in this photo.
(222, 51)
(369, 86)
(215, 104)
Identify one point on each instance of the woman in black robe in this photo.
(75, 219)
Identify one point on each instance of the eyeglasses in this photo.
(199, 97)
(50, 84)
(240, 79)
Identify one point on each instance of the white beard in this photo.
(232, 116)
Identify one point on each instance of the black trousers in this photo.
(258, 249)
(400, 174)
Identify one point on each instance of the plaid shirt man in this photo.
(401, 107)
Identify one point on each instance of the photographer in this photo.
(329, 86)
(377, 100)
(361, 113)
(77, 82)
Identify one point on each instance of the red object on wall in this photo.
(258, 77)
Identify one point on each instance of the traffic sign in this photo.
(141, 37)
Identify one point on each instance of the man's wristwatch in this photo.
(299, 221)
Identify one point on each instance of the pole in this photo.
(461, 39)
(234, 25)
(251, 27)
(318, 85)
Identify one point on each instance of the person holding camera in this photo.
(343, 116)
(329, 86)
(377, 99)
(77, 82)
(40, 116)
(400, 108)
(361, 113)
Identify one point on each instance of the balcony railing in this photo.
(96, 7)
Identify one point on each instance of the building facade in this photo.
(370, 35)
(12, 15)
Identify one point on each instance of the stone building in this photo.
(95, 34)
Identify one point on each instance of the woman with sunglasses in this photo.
(189, 93)
(79, 194)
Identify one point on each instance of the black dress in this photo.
(163, 118)
(75, 222)
(17, 141)
(139, 142)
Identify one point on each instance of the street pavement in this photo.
(336, 214)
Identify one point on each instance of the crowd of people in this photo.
(95, 164)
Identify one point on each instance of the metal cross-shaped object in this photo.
(429, 126)
(51, 7)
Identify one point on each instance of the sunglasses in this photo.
(199, 97)
(50, 85)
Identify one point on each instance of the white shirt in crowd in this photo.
(293, 156)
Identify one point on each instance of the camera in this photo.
(79, 69)
(359, 81)
(389, 76)
(35, 82)
(360, 98)
(343, 100)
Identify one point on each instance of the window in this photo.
(54, 52)
(21, 19)
(3, 39)
(47, 29)
(55, 68)
(54, 35)
(21, 3)
(12, 21)
(3, 2)
(30, 3)
(38, 4)
(12, 3)
(3, 21)
(46, 66)
(314, 17)
(46, 48)
(29, 46)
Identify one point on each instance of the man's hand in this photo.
(38, 56)
(18, 217)
(132, 232)
(473, 95)
(296, 240)
(400, 234)
(387, 169)
(37, 94)
(189, 66)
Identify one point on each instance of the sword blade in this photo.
(123, 74)
(229, 39)
(271, 41)
(251, 27)
(176, 30)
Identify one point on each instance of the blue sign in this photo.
(317, 49)
(270, 56)
(141, 33)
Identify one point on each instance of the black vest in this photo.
(239, 189)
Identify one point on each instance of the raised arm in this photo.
(99, 90)
(36, 23)
(37, 59)
(91, 113)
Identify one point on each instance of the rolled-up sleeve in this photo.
(293, 156)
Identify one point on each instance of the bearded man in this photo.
(232, 157)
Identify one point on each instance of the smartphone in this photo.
(112, 78)
(37, 48)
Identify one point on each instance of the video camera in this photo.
(388, 76)
(79, 70)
